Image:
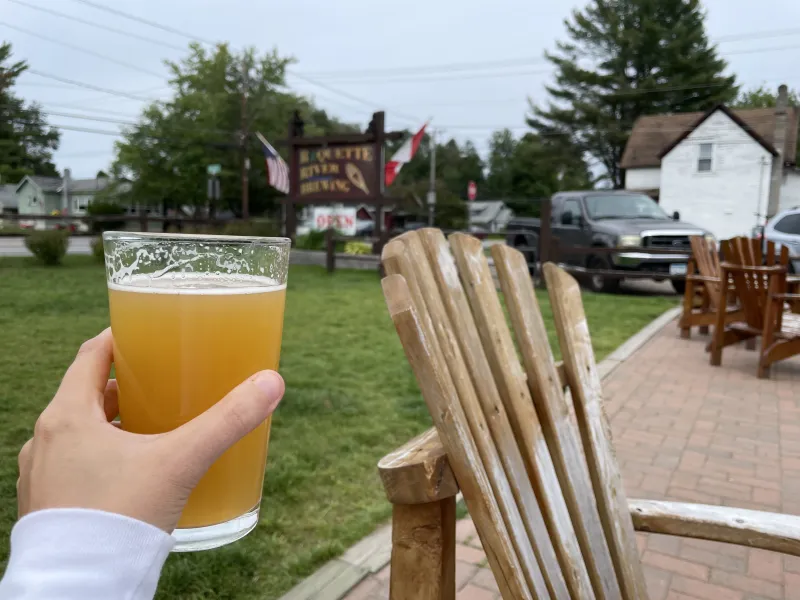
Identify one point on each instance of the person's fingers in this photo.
(24, 459)
(111, 400)
(85, 380)
(198, 443)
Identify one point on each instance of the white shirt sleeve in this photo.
(79, 554)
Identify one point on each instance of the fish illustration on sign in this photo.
(356, 177)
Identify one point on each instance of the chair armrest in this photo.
(418, 472)
(752, 528)
(730, 267)
(703, 278)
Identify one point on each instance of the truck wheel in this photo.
(600, 283)
(522, 244)
(679, 285)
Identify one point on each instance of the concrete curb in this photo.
(337, 577)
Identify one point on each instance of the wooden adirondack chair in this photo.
(537, 470)
(762, 292)
(703, 279)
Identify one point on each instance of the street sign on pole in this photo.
(472, 190)
(214, 169)
(431, 197)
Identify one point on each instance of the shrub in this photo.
(48, 246)
(255, 227)
(97, 249)
(314, 240)
(357, 248)
(102, 208)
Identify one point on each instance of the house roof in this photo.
(88, 185)
(655, 135)
(46, 184)
(485, 211)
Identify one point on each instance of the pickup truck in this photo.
(611, 219)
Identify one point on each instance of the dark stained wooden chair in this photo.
(536, 466)
(702, 289)
(760, 284)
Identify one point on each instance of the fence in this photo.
(537, 243)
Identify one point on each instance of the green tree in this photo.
(27, 142)
(456, 166)
(523, 171)
(762, 97)
(499, 181)
(625, 59)
(166, 154)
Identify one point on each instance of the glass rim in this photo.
(137, 236)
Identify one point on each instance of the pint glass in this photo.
(193, 316)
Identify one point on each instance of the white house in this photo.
(724, 170)
(488, 216)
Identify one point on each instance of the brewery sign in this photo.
(336, 172)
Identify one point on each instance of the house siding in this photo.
(726, 200)
(790, 190)
(643, 179)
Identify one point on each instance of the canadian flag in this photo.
(402, 156)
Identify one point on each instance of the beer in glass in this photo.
(193, 316)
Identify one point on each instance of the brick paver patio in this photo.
(684, 430)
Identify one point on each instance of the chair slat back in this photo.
(752, 288)
(543, 491)
(706, 258)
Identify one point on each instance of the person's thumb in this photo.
(205, 438)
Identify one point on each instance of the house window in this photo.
(81, 202)
(704, 161)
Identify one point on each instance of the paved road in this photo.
(14, 246)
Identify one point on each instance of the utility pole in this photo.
(432, 188)
(243, 143)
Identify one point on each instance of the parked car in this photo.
(784, 230)
(612, 219)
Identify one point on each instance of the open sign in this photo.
(341, 219)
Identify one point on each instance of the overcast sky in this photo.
(326, 38)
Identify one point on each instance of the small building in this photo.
(724, 170)
(64, 196)
(8, 199)
(489, 216)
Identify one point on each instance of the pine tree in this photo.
(624, 59)
(26, 141)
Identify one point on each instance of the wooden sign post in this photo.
(337, 169)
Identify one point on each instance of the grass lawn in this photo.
(350, 399)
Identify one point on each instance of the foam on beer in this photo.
(198, 284)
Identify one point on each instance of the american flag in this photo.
(277, 169)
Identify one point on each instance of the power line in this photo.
(129, 34)
(84, 50)
(449, 67)
(441, 78)
(88, 86)
(132, 17)
(189, 36)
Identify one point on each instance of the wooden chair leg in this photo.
(688, 309)
(717, 341)
(424, 551)
(750, 344)
(705, 307)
